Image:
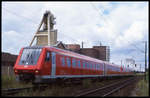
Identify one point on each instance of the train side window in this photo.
(73, 62)
(98, 67)
(83, 64)
(68, 62)
(79, 63)
(91, 66)
(87, 65)
(47, 56)
(63, 61)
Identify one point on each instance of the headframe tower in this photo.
(46, 34)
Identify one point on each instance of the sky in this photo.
(123, 26)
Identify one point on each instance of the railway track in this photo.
(109, 89)
(12, 91)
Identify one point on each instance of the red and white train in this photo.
(44, 63)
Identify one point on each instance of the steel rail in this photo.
(128, 82)
(101, 88)
(11, 91)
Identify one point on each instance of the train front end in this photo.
(28, 64)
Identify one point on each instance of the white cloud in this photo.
(126, 22)
(76, 22)
(133, 34)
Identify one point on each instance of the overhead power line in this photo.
(14, 13)
(136, 47)
(101, 13)
(18, 15)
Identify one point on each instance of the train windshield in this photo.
(30, 56)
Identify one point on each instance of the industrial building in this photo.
(8, 59)
(99, 52)
(47, 35)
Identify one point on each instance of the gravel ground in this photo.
(129, 90)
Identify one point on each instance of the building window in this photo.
(63, 61)
(73, 62)
(68, 62)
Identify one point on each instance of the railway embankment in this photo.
(142, 87)
(9, 81)
(70, 90)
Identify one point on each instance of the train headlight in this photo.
(16, 71)
(36, 71)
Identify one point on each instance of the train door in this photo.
(47, 64)
(53, 69)
(104, 70)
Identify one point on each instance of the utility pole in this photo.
(82, 44)
(100, 44)
(140, 68)
(145, 57)
(121, 62)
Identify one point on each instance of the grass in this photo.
(142, 87)
(53, 90)
(56, 90)
(10, 82)
(86, 83)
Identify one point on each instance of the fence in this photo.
(7, 70)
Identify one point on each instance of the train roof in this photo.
(81, 56)
(70, 53)
(33, 47)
